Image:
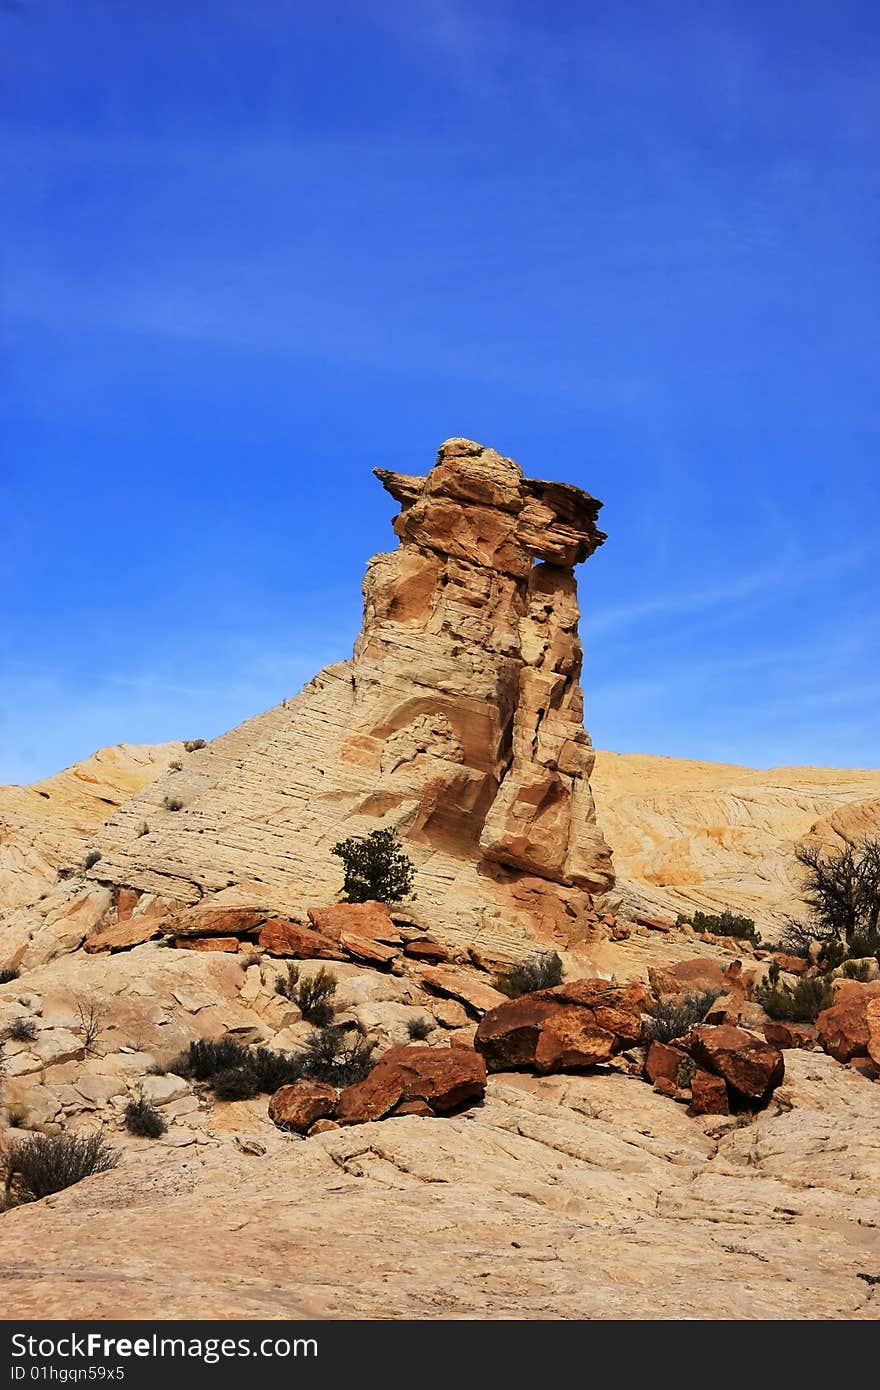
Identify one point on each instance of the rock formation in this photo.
(689, 834)
(458, 721)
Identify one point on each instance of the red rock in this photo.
(866, 1067)
(413, 1107)
(425, 949)
(664, 1060)
(322, 1126)
(207, 943)
(219, 921)
(843, 1029)
(362, 948)
(708, 1094)
(281, 936)
(872, 1017)
(656, 923)
(364, 920)
(301, 1104)
(569, 1027)
(792, 965)
(664, 1087)
(749, 1064)
(477, 995)
(446, 1078)
(699, 973)
(782, 1034)
(123, 935)
(125, 900)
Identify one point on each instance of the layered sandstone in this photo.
(458, 721)
(689, 834)
(50, 825)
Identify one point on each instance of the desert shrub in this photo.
(175, 766)
(674, 1015)
(90, 1021)
(287, 987)
(235, 1083)
(43, 1164)
(142, 830)
(143, 1119)
(314, 997)
(376, 868)
(192, 744)
(843, 891)
(863, 944)
(7, 976)
(204, 1059)
(22, 1030)
(540, 972)
(802, 1003)
(16, 1116)
(172, 803)
(419, 1028)
(726, 923)
(340, 1056)
(857, 970)
(92, 858)
(274, 1069)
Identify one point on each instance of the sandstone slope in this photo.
(712, 835)
(51, 824)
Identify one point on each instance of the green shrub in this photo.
(22, 1030)
(43, 1164)
(726, 923)
(274, 1069)
(542, 971)
(314, 997)
(143, 1119)
(235, 1083)
(674, 1015)
(857, 970)
(205, 1059)
(801, 1004)
(376, 868)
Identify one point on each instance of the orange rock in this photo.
(425, 949)
(749, 1064)
(322, 1126)
(369, 921)
(843, 1029)
(301, 1104)
(281, 936)
(445, 1078)
(207, 943)
(793, 965)
(413, 1107)
(569, 1027)
(362, 948)
(663, 1060)
(219, 921)
(121, 937)
(708, 1094)
(125, 900)
(455, 983)
(782, 1034)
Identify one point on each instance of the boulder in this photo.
(426, 949)
(751, 1066)
(474, 993)
(689, 975)
(567, 1028)
(134, 931)
(219, 921)
(366, 949)
(444, 1078)
(664, 1060)
(302, 1104)
(872, 1017)
(708, 1094)
(281, 936)
(792, 965)
(205, 943)
(370, 921)
(843, 1029)
(787, 1035)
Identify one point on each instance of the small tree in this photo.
(376, 868)
(843, 891)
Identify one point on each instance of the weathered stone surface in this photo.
(843, 1029)
(691, 975)
(569, 1027)
(205, 943)
(468, 989)
(426, 950)
(366, 949)
(458, 722)
(708, 1094)
(219, 921)
(283, 937)
(302, 1104)
(134, 931)
(367, 921)
(444, 1078)
(872, 1018)
(749, 1064)
(665, 1060)
(787, 1035)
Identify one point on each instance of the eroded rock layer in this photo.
(458, 721)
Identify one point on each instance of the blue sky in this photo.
(252, 251)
